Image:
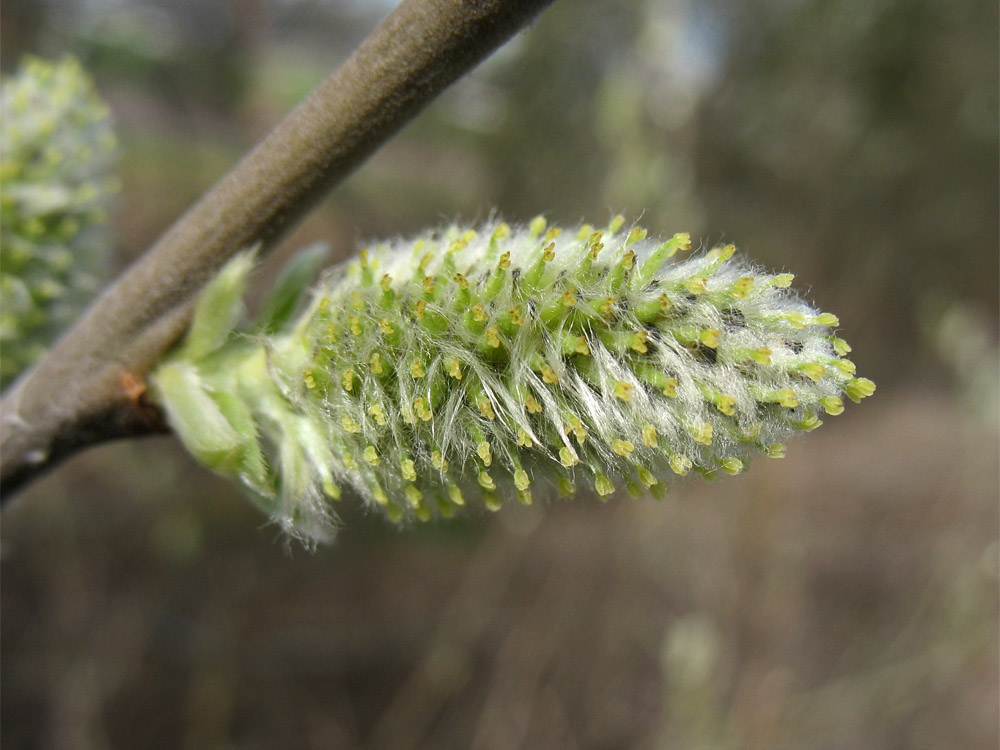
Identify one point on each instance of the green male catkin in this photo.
(477, 366)
(57, 190)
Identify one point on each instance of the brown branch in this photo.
(80, 393)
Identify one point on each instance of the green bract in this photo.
(56, 189)
(475, 366)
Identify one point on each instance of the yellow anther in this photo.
(702, 433)
(680, 464)
(832, 405)
(567, 457)
(355, 323)
(417, 369)
(670, 387)
(710, 337)
(437, 460)
(859, 388)
(486, 481)
(826, 319)
(486, 408)
(515, 315)
(493, 336)
(483, 449)
(455, 368)
(623, 390)
(379, 494)
(809, 422)
(726, 404)
(841, 347)
(696, 285)
(455, 495)
(521, 480)
(646, 476)
(504, 262)
(479, 314)
(532, 405)
(731, 466)
(845, 366)
(460, 280)
(795, 319)
(347, 380)
(331, 490)
(537, 226)
(637, 233)
(775, 450)
(376, 363)
(523, 438)
(787, 398)
(549, 375)
(371, 455)
(428, 285)
(576, 427)
(649, 435)
(742, 287)
(813, 371)
(638, 342)
(422, 410)
(385, 326)
(603, 485)
(622, 447)
(784, 280)
(349, 424)
(376, 411)
(409, 469)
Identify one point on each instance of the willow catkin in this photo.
(475, 366)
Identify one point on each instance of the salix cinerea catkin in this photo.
(57, 188)
(472, 366)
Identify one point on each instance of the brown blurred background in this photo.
(845, 597)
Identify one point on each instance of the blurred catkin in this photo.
(475, 366)
(56, 191)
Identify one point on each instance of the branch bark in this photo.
(88, 388)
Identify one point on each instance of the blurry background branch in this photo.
(88, 388)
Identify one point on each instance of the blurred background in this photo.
(845, 597)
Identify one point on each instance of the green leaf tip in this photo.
(505, 364)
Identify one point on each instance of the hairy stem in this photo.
(88, 388)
